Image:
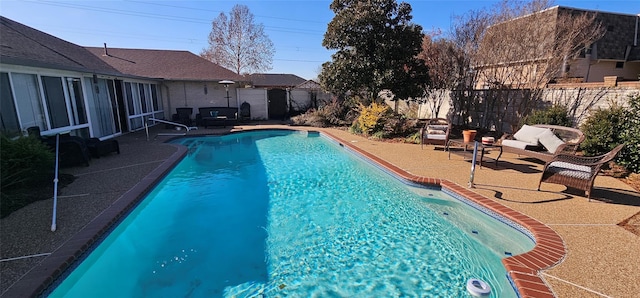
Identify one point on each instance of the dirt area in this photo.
(631, 224)
(18, 198)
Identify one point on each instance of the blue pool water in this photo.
(279, 213)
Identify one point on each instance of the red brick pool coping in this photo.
(523, 269)
(35, 282)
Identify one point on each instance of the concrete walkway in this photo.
(602, 258)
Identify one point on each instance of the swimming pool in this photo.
(290, 214)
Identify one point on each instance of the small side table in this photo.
(460, 143)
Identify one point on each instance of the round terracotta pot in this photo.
(469, 135)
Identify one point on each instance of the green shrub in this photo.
(26, 165)
(399, 126)
(310, 118)
(606, 128)
(555, 115)
(629, 157)
(413, 138)
(601, 130)
(355, 128)
(333, 113)
(25, 162)
(379, 135)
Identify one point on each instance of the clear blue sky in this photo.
(295, 27)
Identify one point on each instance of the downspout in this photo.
(588, 58)
(635, 37)
(184, 89)
(168, 98)
(563, 70)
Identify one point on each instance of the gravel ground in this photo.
(600, 256)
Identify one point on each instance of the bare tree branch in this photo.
(237, 43)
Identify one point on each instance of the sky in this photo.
(296, 28)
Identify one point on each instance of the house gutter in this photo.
(635, 37)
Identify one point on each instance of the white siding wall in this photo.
(581, 101)
(299, 99)
(257, 98)
(192, 95)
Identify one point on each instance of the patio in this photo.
(602, 258)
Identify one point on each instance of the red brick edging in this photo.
(43, 275)
(523, 269)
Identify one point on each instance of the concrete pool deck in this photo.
(602, 258)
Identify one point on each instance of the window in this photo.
(142, 102)
(56, 105)
(144, 96)
(30, 108)
(64, 102)
(74, 87)
(154, 96)
(619, 65)
(133, 101)
(8, 114)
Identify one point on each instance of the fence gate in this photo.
(277, 104)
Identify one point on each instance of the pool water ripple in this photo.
(283, 214)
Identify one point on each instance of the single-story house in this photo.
(186, 79)
(103, 92)
(62, 87)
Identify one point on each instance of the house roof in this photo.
(619, 41)
(309, 84)
(164, 64)
(620, 36)
(275, 80)
(23, 45)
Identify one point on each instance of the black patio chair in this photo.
(183, 116)
(245, 111)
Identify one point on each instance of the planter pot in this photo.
(469, 135)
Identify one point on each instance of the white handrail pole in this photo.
(55, 186)
(473, 164)
(187, 128)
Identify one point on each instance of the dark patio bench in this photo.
(217, 116)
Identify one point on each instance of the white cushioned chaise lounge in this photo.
(542, 141)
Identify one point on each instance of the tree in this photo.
(467, 33)
(237, 43)
(446, 67)
(512, 52)
(376, 49)
(525, 48)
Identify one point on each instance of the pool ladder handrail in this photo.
(187, 128)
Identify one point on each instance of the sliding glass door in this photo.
(103, 108)
(143, 102)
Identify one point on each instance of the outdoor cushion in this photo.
(438, 127)
(517, 144)
(549, 140)
(213, 113)
(435, 131)
(570, 170)
(528, 134)
(437, 136)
